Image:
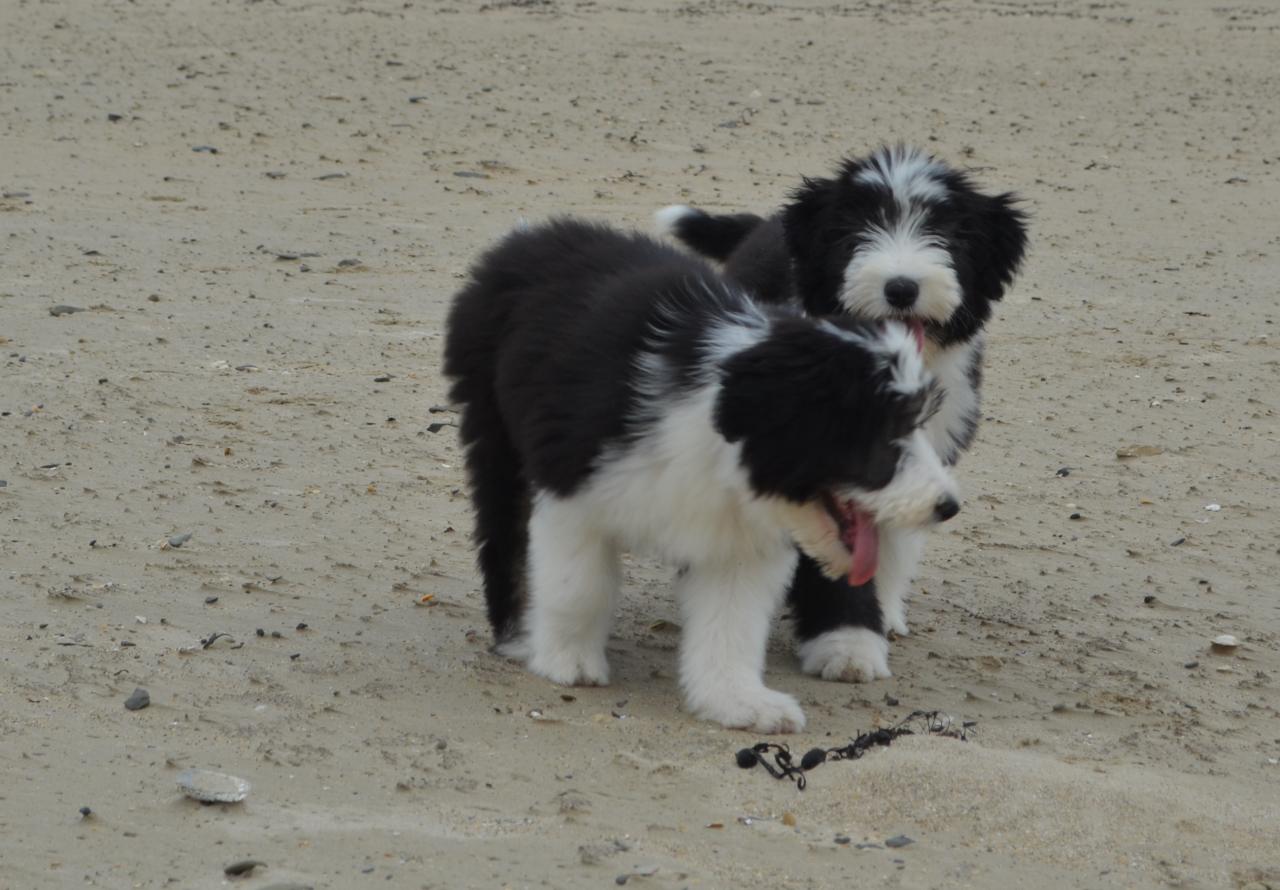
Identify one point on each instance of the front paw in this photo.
(571, 668)
(895, 619)
(849, 655)
(757, 708)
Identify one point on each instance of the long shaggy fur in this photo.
(616, 393)
(895, 234)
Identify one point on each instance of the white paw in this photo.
(571, 668)
(895, 619)
(850, 655)
(759, 709)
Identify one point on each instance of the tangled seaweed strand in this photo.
(782, 767)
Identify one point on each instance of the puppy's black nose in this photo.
(946, 508)
(901, 292)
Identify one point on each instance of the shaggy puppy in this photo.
(617, 393)
(894, 235)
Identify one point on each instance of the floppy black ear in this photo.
(997, 235)
(808, 224)
(790, 401)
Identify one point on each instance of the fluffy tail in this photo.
(714, 237)
(499, 491)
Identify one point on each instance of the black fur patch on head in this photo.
(828, 219)
(812, 411)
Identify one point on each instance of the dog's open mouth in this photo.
(916, 325)
(859, 534)
(917, 330)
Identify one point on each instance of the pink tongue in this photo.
(917, 331)
(862, 538)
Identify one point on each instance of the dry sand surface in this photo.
(263, 208)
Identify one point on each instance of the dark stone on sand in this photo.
(900, 840)
(64, 309)
(138, 700)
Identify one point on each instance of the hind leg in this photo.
(501, 501)
(573, 587)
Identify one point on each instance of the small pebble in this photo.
(789, 819)
(347, 264)
(86, 812)
(1075, 516)
(138, 700)
(1063, 471)
(842, 839)
(63, 309)
(1191, 665)
(178, 540)
(900, 840)
(205, 149)
(1177, 542)
(210, 600)
(890, 700)
(302, 625)
(243, 867)
(382, 378)
(1149, 598)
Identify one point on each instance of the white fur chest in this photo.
(951, 429)
(680, 492)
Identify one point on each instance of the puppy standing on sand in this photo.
(617, 393)
(895, 235)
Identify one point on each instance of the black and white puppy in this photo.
(617, 393)
(897, 234)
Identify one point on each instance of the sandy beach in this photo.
(229, 233)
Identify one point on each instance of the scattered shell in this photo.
(1139, 451)
(1224, 643)
(1213, 508)
(210, 787)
